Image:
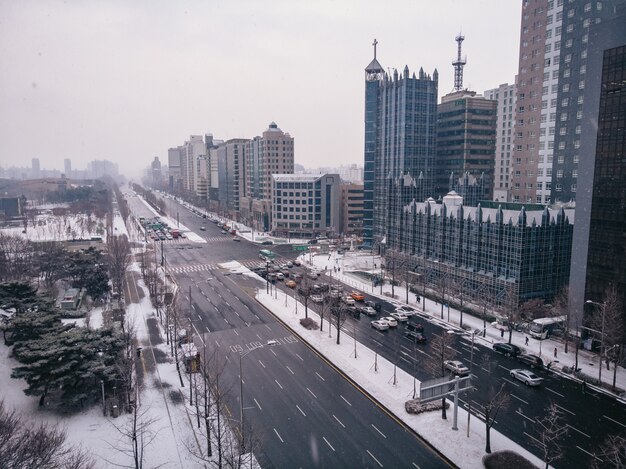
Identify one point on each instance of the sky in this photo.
(125, 81)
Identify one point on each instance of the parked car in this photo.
(532, 360)
(289, 264)
(223, 232)
(456, 367)
(372, 304)
(380, 325)
(415, 336)
(527, 377)
(267, 243)
(357, 296)
(291, 284)
(336, 294)
(389, 320)
(400, 317)
(509, 350)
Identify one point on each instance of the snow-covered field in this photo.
(60, 228)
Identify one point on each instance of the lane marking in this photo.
(375, 428)
(312, 393)
(301, 411)
(519, 398)
(576, 429)
(345, 400)
(564, 409)
(557, 393)
(268, 327)
(261, 363)
(339, 421)
(301, 359)
(590, 454)
(257, 403)
(416, 465)
(290, 371)
(525, 416)
(513, 383)
(278, 435)
(331, 446)
(276, 381)
(374, 458)
(274, 353)
(504, 368)
(319, 376)
(612, 420)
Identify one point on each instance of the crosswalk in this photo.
(249, 263)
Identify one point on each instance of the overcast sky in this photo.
(125, 80)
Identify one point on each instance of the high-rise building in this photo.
(352, 209)
(505, 95)
(231, 157)
(156, 176)
(67, 167)
(190, 151)
(173, 164)
(551, 82)
(400, 122)
(36, 168)
(466, 144)
(599, 251)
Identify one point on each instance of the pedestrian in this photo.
(501, 332)
(554, 352)
(526, 340)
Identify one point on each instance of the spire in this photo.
(374, 70)
(458, 65)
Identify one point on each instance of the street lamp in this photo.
(602, 309)
(241, 393)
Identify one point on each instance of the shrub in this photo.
(414, 406)
(506, 459)
(309, 324)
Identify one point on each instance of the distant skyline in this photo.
(124, 81)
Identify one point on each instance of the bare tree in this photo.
(612, 453)
(441, 289)
(24, 445)
(441, 351)
(16, 258)
(338, 314)
(119, 257)
(551, 430)
(496, 400)
(305, 292)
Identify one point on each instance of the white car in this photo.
(289, 264)
(348, 300)
(280, 276)
(389, 320)
(527, 377)
(406, 310)
(368, 310)
(400, 317)
(317, 298)
(380, 325)
(297, 262)
(456, 367)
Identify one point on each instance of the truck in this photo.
(175, 234)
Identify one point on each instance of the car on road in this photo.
(237, 238)
(289, 264)
(372, 304)
(267, 243)
(532, 360)
(389, 320)
(400, 317)
(414, 326)
(317, 298)
(291, 284)
(407, 310)
(509, 350)
(527, 377)
(336, 294)
(357, 296)
(280, 276)
(456, 367)
(415, 336)
(224, 232)
(380, 325)
(297, 262)
(368, 310)
(202, 228)
(348, 300)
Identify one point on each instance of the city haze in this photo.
(125, 81)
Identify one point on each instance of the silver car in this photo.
(456, 367)
(380, 325)
(527, 377)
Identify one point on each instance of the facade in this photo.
(400, 122)
(466, 145)
(599, 254)
(351, 209)
(36, 168)
(190, 151)
(508, 253)
(551, 83)
(505, 95)
(156, 176)
(67, 168)
(173, 164)
(304, 206)
(231, 174)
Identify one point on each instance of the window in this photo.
(561, 145)
(581, 85)
(566, 73)
(553, 102)
(568, 43)
(587, 7)
(575, 173)
(544, 91)
(576, 144)
(561, 159)
(570, 28)
(557, 45)
(549, 172)
(575, 159)
(552, 130)
(571, 13)
(563, 116)
(578, 129)
(565, 87)
(568, 58)
(583, 69)
(579, 114)
(586, 23)
(580, 99)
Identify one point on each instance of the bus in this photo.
(267, 255)
(542, 328)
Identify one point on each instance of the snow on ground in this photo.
(376, 376)
(95, 317)
(60, 228)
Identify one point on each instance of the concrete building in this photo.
(304, 205)
(400, 123)
(599, 252)
(99, 168)
(231, 157)
(551, 83)
(173, 164)
(466, 144)
(351, 209)
(67, 168)
(190, 152)
(156, 174)
(36, 168)
(506, 96)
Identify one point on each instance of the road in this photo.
(301, 410)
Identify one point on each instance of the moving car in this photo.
(509, 350)
(380, 325)
(400, 317)
(291, 284)
(527, 377)
(280, 276)
(317, 298)
(289, 264)
(416, 327)
(532, 360)
(357, 296)
(297, 262)
(223, 231)
(456, 367)
(407, 310)
(267, 243)
(373, 304)
(348, 300)
(415, 336)
(202, 228)
(236, 238)
(389, 320)
(368, 310)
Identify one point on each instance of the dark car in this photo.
(267, 243)
(414, 327)
(377, 306)
(415, 336)
(509, 350)
(532, 360)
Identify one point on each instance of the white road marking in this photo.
(331, 446)
(339, 421)
(312, 393)
(519, 398)
(290, 371)
(374, 427)
(235, 331)
(564, 409)
(301, 359)
(278, 435)
(512, 382)
(416, 465)
(276, 381)
(504, 368)
(346, 400)
(525, 416)
(301, 411)
(609, 418)
(261, 363)
(274, 353)
(557, 393)
(576, 429)
(374, 458)
(319, 376)
(590, 454)
(257, 403)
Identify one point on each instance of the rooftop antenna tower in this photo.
(458, 65)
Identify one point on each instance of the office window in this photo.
(562, 131)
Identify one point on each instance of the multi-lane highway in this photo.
(224, 312)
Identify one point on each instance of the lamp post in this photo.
(602, 309)
(243, 446)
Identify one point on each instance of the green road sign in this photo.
(300, 248)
